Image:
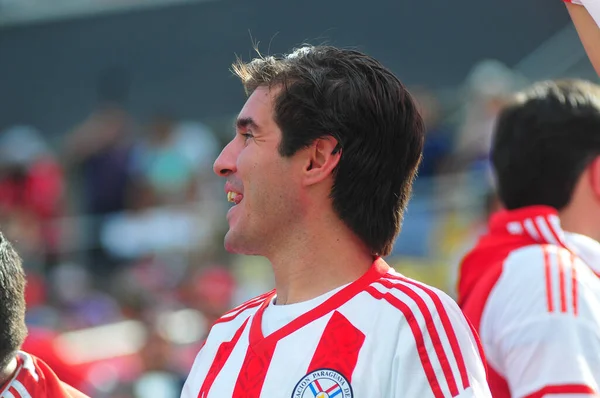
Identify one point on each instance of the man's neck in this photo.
(583, 224)
(8, 371)
(318, 263)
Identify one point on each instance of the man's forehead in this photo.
(258, 109)
(261, 97)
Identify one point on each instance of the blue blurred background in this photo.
(112, 112)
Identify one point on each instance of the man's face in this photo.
(263, 186)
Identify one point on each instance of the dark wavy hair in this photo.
(326, 91)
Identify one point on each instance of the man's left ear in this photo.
(323, 157)
(595, 176)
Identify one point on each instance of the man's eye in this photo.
(247, 136)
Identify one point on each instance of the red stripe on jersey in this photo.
(479, 345)
(230, 318)
(431, 329)
(548, 271)
(574, 283)
(258, 357)
(556, 233)
(254, 371)
(564, 389)
(256, 335)
(255, 302)
(249, 303)
(223, 353)
(339, 347)
(418, 335)
(561, 283)
(538, 230)
(448, 328)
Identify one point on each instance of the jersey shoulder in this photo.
(37, 379)
(433, 335)
(543, 278)
(541, 281)
(410, 291)
(407, 300)
(237, 315)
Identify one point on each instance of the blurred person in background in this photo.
(100, 150)
(166, 207)
(80, 303)
(159, 161)
(424, 216)
(585, 15)
(319, 172)
(211, 291)
(22, 375)
(31, 194)
(488, 87)
(531, 284)
(438, 138)
(159, 377)
(172, 157)
(102, 146)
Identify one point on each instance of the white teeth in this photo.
(231, 196)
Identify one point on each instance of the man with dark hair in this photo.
(21, 375)
(319, 173)
(530, 288)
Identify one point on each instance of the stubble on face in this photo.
(269, 209)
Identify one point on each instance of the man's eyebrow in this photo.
(244, 123)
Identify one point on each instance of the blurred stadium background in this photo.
(112, 111)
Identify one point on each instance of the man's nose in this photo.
(225, 163)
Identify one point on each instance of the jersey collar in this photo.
(257, 340)
(538, 224)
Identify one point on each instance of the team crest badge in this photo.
(323, 383)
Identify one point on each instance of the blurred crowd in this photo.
(118, 225)
(120, 222)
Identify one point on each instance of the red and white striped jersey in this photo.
(34, 379)
(536, 305)
(383, 335)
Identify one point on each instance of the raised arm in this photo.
(587, 24)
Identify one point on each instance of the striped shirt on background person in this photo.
(34, 379)
(533, 293)
(383, 335)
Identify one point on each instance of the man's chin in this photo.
(236, 244)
